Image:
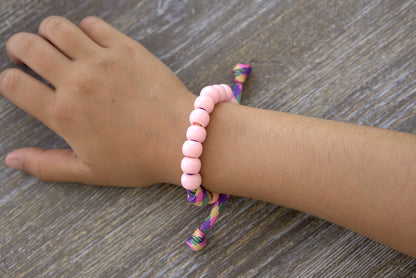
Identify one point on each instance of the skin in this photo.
(124, 114)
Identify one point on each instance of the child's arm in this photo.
(125, 115)
(359, 177)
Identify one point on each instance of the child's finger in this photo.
(28, 93)
(39, 55)
(67, 37)
(59, 165)
(100, 31)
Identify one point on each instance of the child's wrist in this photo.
(173, 155)
(215, 170)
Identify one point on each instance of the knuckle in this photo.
(52, 25)
(27, 44)
(43, 175)
(40, 171)
(128, 49)
(90, 22)
(105, 64)
(9, 79)
(61, 112)
(80, 81)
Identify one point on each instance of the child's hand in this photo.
(122, 111)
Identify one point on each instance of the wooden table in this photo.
(352, 61)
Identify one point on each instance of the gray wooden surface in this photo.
(351, 61)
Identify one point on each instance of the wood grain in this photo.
(350, 61)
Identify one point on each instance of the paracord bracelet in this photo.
(192, 149)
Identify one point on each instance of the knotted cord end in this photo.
(241, 72)
(197, 241)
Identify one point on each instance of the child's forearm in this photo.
(359, 177)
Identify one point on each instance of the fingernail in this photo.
(13, 163)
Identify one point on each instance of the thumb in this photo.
(60, 165)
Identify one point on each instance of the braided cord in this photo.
(201, 196)
(240, 72)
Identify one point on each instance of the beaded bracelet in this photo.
(192, 149)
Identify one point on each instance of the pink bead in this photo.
(191, 182)
(190, 165)
(192, 149)
(196, 133)
(199, 116)
(211, 92)
(228, 92)
(204, 102)
(221, 92)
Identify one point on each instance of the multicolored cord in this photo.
(240, 72)
(200, 196)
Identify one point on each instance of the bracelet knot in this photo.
(197, 241)
(241, 72)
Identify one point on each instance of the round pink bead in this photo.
(199, 116)
(204, 102)
(196, 133)
(191, 165)
(221, 92)
(191, 182)
(192, 149)
(211, 92)
(228, 92)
